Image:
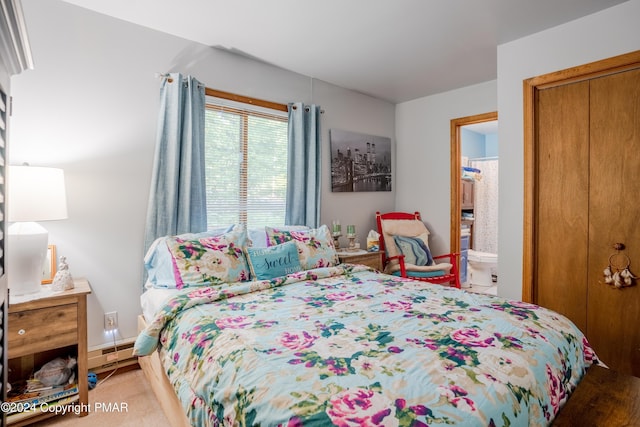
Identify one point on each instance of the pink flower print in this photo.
(397, 306)
(337, 369)
(244, 276)
(589, 354)
(295, 422)
(473, 337)
(297, 341)
(314, 243)
(202, 292)
(523, 304)
(191, 335)
(339, 296)
(203, 341)
(557, 392)
(464, 403)
(457, 396)
(300, 236)
(238, 322)
(360, 407)
(536, 334)
(419, 409)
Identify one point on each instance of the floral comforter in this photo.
(348, 346)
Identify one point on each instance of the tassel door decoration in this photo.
(617, 274)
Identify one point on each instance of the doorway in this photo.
(457, 132)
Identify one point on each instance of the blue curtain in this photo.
(303, 173)
(177, 200)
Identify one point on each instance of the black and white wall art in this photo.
(359, 162)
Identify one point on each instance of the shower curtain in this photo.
(485, 195)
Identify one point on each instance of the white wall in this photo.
(423, 153)
(602, 35)
(90, 106)
(352, 111)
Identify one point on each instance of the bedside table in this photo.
(370, 259)
(42, 327)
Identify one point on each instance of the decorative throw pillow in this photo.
(209, 260)
(414, 249)
(273, 261)
(315, 246)
(158, 260)
(259, 237)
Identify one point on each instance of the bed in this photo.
(346, 345)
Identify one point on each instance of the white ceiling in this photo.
(395, 50)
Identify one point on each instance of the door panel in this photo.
(562, 179)
(614, 216)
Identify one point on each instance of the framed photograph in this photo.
(49, 267)
(359, 162)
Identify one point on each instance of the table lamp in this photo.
(33, 194)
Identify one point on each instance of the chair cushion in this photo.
(415, 229)
(435, 273)
(401, 227)
(414, 250)
(405, 228)
(442, 266)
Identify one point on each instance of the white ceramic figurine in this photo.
(62, 281)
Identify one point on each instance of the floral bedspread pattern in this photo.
(347, 346)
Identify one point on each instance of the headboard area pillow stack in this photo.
(315, 246)
(233, 254)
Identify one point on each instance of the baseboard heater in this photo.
(108, 358)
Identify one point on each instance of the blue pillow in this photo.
(273, 261)
(414, 250)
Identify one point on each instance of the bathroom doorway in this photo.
(474, 193)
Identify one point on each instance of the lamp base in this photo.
(26, 250)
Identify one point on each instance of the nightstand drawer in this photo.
(32, 331)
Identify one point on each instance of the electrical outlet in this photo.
(111, 321)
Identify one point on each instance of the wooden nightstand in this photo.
(42, 328)
(370, 259)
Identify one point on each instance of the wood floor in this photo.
(128, 391)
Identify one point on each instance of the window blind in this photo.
(245, 165)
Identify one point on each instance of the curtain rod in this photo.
(245, 99)
(240, 98)
(248, 100)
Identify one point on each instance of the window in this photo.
(246, 165)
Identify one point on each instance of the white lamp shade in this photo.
(36, 194)
(26, 252)
(33, 194)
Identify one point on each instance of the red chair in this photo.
(404, 243)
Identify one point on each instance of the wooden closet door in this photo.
(562, 200)
(613, 315)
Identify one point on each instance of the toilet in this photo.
(481, 266)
